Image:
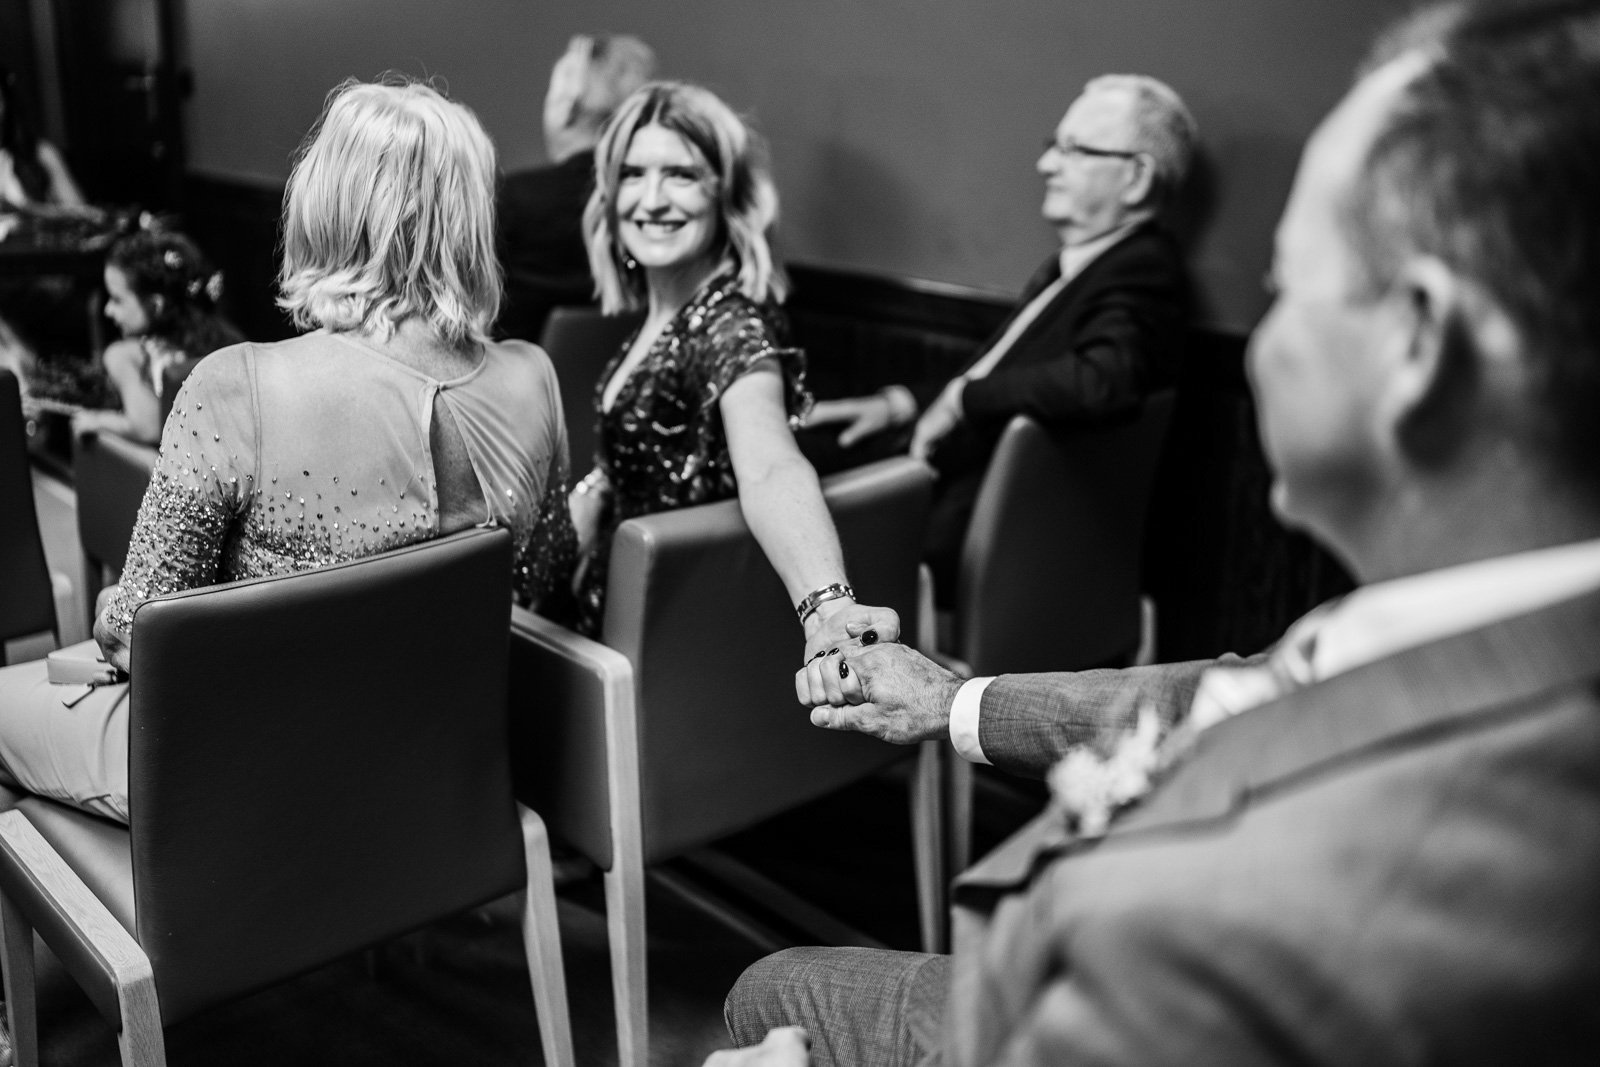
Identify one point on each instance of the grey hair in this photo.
(1163, 127)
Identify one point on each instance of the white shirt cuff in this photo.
(964, 720)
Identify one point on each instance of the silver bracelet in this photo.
(592, 481)
(817, 597)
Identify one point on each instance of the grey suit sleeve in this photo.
(1028, 721)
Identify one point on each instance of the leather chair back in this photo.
(318, 762)
(111, 474)
(695, 606)
(581, 341)
(1049, 576)
(27, 602)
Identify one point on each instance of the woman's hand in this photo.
(115, 645)
(837, 621)
(587, 502)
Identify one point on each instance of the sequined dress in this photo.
(662, 445)
(284, 457)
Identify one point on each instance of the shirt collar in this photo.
(1387, 617)
(1074, 258)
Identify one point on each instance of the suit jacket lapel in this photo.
(1451, 684)
(1047, 273)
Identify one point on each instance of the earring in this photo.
(629, 262)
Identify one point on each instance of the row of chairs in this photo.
(614, 743)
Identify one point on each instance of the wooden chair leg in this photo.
(141, 1040)
(929, 839)
(958, 811)
(16, 947)
(624, 884)
(541, 939)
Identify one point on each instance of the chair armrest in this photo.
(67, 914)
(574, 735)
(568, 645)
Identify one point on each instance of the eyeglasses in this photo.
(1073, 148)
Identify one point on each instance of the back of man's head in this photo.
(595, 74)
(1489, 161)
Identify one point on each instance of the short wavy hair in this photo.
(1163, 128)
(1489, 160)
(389, 213)
(747, 201)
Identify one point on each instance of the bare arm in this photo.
(63, 190)
(782, 500)
(140, 417)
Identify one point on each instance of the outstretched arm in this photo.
(140, 417)
(782, 501)
(1026, 722)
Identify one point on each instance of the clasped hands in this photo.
(868, 684)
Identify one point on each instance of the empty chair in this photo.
(581, 341)
(27, 602)
(352, 787)
(1049, 574)
(1049, 578)
(683, 727)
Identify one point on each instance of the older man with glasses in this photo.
(1097, 329)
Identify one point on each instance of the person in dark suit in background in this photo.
(1097, 329)
(1379, 843)
(541, 208)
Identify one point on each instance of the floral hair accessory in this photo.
(1091, 788)
(172, 259)
(214, 286)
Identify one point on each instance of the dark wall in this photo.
(904, 132)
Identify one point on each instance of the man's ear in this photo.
(1436, 370)
(1141, 188)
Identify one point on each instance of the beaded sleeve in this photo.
(204, 473)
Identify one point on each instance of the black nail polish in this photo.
(844, 670)
(869, 637)
(819, 654)
(833, 651)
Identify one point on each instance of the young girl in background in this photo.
(162, 293)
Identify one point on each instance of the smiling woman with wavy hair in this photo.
(700, 403)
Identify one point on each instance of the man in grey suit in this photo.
(1380, 843)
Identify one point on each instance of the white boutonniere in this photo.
(1091, 788)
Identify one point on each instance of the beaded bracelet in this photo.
(817, 597)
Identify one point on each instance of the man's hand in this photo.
(787, 1046)
(866, 415)
(942, 416)
(887, 691)
(836, 622)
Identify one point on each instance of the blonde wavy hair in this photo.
(747, 201)
(389, 213)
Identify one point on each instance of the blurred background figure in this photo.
(541, 208)
(33, 176)
(163, 294)
(1097, 330)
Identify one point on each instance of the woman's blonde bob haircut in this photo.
(746, 199)
(389, 213)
